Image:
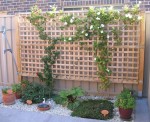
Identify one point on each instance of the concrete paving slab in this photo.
(142, 113)
(14, 115)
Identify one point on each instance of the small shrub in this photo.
(92, 109)
(125, 100)
(35, 92)
(69, 97)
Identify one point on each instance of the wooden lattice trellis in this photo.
(76, 64)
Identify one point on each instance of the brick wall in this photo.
(15, 6)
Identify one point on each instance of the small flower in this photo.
(140, 2)
(98, 27)
(102, 31)
(97, 18)
(65, 23)
(72, 17)
(139, 17)
(98, 13)
(130, 16)
(126, 7)
(94, 59)
(71, 20)
(86, 34)
(107, 36)
(65, 40)
(91, 27)
(107, 70)
(102, 25)
(111, 8)
(82, 32)
(70, 39)
(91, 8)
(126, 15)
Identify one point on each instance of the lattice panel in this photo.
(75, 63)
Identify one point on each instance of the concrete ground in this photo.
(12, 115)
(142, 113)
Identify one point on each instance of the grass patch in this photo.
(92, 109)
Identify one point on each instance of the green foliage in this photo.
(16, 88)
(125, 100)
(69, 97)
(35, 92)
(4, 90)
(93, 24)
(39, 21)
(92, 109)
(25, 82)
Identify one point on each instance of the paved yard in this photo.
(11, 115)
(142, 111)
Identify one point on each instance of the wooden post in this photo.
(18, 48)
(141, 55)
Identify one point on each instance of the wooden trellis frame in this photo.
(76, 66)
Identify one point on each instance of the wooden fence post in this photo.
(141, 55)
(18, 48)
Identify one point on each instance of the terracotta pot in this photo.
(29, 102)
(8, 99)
(125, 113)
(43, 107)
(18, 95)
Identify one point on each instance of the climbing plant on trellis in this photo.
(78, 57)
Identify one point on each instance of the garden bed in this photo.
(57, 109)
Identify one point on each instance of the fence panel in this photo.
(76, 66)
(8, 72)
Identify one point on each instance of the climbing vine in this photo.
(94, 24)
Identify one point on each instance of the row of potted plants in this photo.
(125, 100)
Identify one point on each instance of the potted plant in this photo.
(8, 96)
(17, 90)
(126, 103)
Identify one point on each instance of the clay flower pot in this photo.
(43, 107)
(18, 95)
(105, 112)
(8, 98)
(125, 113)
(29, 102)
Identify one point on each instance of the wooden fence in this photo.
(75, 66)
(8, 72)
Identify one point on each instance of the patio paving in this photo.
(12, 115)
(142, 113)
